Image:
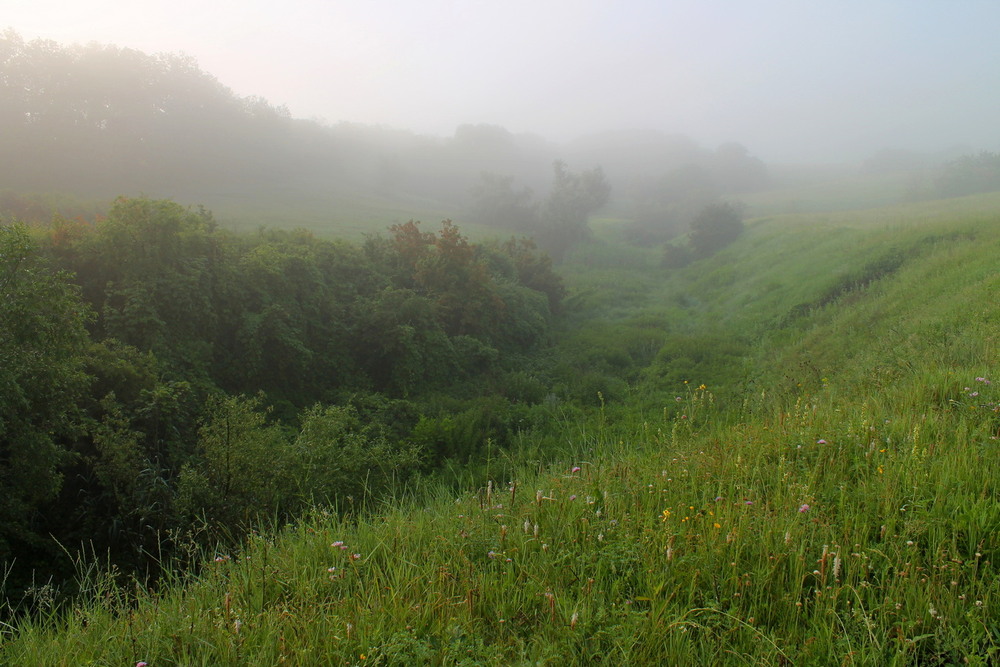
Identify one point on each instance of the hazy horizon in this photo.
(792, 82)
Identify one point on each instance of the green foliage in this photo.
(465, 431)
(716, 226)
(496, 204)
(42, 338)
(336, 457)
(676, 256)
(666, 207)
(534, 270)
(242, 468)
(706, 358)
(149, 269)
(571, 200)
(248, 468)
(144, 119)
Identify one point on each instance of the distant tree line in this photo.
(970, 174)
(101, 119)
(95, 121)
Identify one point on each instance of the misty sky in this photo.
(793, 80)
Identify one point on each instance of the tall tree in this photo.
(571, 201)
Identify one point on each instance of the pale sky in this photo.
(793, 80)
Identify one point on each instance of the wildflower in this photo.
(666, 514)
(821, 441)
(355, 556)
(748, 502)
(573, 497)
(492, 554)
(575, 469)
(141, 664)
(717, 525)
(527, 526)
(803, 508)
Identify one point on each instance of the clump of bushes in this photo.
(716, 226)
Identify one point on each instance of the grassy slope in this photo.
(844, 509)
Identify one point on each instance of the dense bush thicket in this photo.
(160, 374)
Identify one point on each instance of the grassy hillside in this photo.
(796, 463)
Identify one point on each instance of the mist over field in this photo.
(467, 332)
(794, 82)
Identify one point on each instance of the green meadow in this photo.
(787, 454)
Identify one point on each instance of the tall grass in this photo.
(835, 532)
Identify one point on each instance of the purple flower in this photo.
(572, 497)
(748, 502)
(803, 508)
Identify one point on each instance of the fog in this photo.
(792, 81)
